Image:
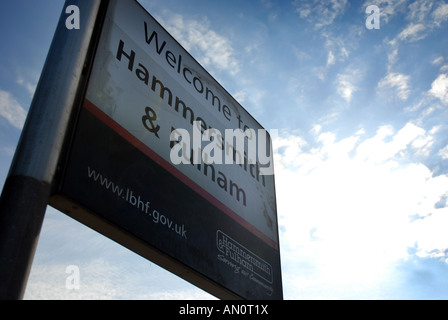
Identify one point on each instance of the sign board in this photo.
(133, 174)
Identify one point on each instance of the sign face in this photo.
(149, 163)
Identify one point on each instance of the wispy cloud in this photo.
(345, 82)
(398, 82)
(330, 59)
(413, 32)
(388, 8)
(345, 87)
(444, 153)
(338, 46)
(439, 88)
(11, 110)
(438, 61)
(212, 49)
(425, 16)
(419, 10)
(320, 13)
(28, 85)
(440, 14)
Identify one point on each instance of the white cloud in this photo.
(330, 59)
(439, 88)
(444, 153)
(392, 57)
(410, 136)
(320, 13)
(345, 83)
(388, 8)
(432, 240)
(240, 96)
(423, 22)
(214, 50)
(345, 207)
(345, 88)
(337, 46)
(438, 60)
(413, 32)
(304, 12)
(419, 10)
(29, 86)
(399, 82)
(11, 110)
(440, 15)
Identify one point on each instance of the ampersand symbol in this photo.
(150, 116)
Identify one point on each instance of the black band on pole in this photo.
(22, 204)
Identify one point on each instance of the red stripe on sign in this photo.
(170, 168)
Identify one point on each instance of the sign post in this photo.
(130, 135)
(163, 162)
(28, 186)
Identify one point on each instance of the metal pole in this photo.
(27, 189)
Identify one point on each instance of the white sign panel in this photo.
(163, 154)
(147, 74)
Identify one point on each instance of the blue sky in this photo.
(361, 156)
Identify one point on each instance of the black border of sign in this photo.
(82, 214)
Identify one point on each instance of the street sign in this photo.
(156, 163)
